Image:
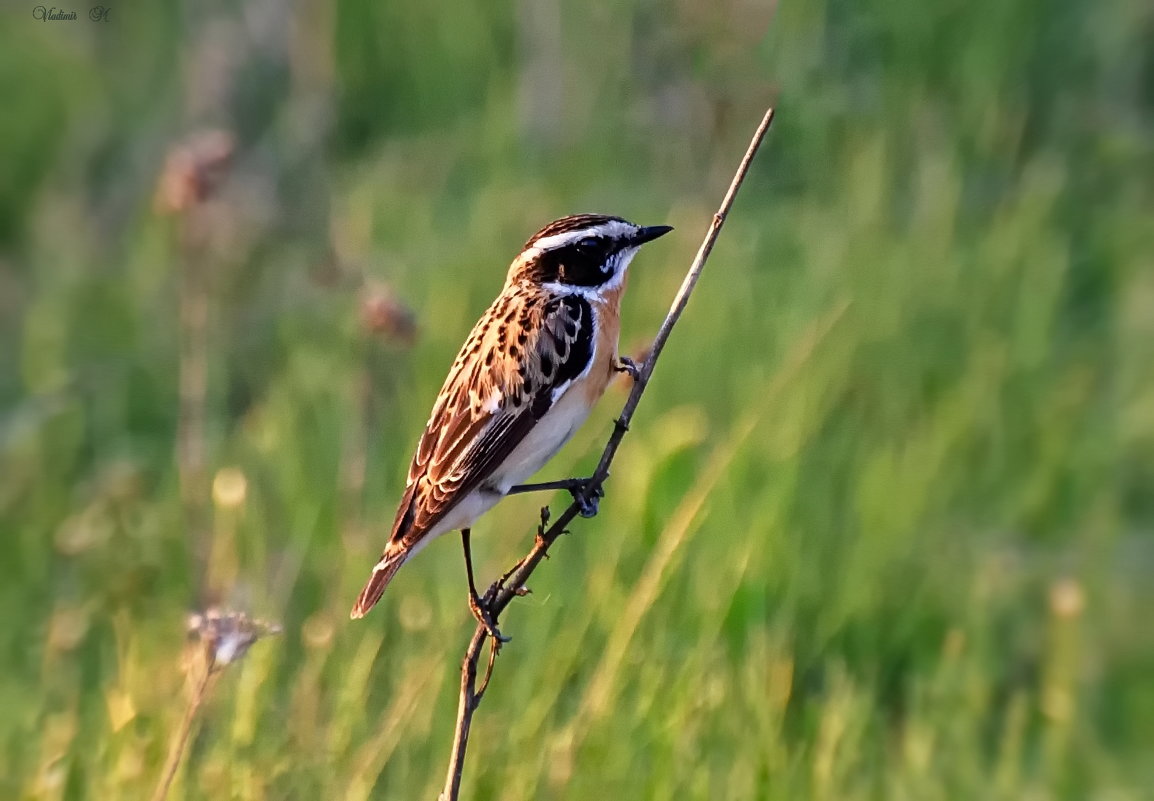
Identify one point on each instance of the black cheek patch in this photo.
(575, 266)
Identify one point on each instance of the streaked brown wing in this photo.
(519, 359)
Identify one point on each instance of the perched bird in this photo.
(524, 381)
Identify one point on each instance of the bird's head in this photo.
(583, 252)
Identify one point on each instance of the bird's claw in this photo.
(588, 503)
(588, 507)
(480, 611)
(627, 365)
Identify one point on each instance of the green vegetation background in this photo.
(882, 529)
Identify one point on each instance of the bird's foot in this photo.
(587, 501)
(480, 610)
(627, 365)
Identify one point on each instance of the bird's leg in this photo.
(569, 484)
(626, 365)
(575, 486)
(476, 605)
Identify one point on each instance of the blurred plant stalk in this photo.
(193, 172)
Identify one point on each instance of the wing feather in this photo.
(513, 368)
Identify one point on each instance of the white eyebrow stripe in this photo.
(612, 229)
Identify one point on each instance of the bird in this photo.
(525, 380)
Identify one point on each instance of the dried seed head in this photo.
(193, 170)
(227, 636)
(382, 312)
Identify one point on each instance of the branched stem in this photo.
(501, 593)
(180, 740)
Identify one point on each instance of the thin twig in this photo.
(176, 750)
(502, 593)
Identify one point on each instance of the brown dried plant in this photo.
(217, 639)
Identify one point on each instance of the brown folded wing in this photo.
(519, 359)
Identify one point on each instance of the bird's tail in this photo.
(383, 573)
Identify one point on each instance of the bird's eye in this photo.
(588, 243)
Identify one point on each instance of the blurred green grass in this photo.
(883, 526)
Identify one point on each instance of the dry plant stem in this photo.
(191, 437)
(502, 592)
(180, 741)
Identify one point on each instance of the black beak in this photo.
(648, 233)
